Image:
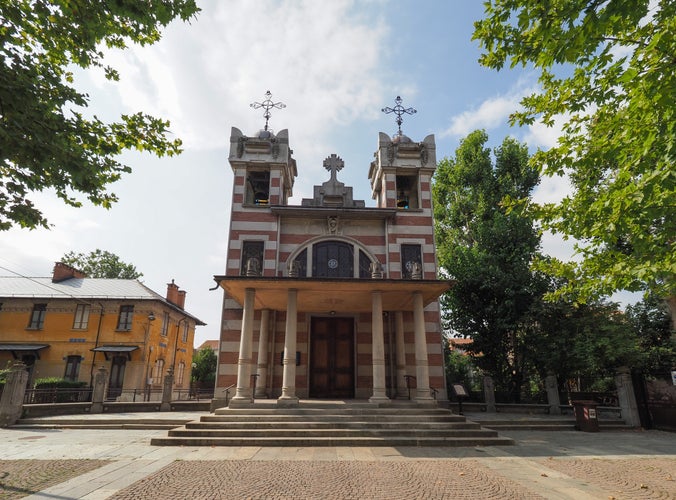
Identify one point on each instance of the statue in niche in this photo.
(253, 267)
(416, 271)
(333, 224)
(294, 269)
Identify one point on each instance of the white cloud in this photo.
(318, 58)
(491, 113)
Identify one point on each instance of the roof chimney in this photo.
(172, 293)
(181, 299)
(63, 272)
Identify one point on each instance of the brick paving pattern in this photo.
(429, 479)
(622, 478)
(20, 478)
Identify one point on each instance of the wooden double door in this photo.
(332, 373)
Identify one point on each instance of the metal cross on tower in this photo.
(399, 110)
(267, 105)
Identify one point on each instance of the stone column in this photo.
(422, 370)
(489, 394)
(243, 394)
(261, 389)
(288, 397)
(11, 404)
(167, 390)
(378, 349)
(401, 353)
(99, 390)
(553, 399)
(627, 398)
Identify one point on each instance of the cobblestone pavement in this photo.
(19, 478)
(325, 480)
(122, 464)
(631, 479)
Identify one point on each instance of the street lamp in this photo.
(147, 350)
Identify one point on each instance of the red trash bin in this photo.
(586, 416)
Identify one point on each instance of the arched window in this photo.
(332, 259)
(180, 371)
(157, 371)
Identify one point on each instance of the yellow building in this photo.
(68, 326)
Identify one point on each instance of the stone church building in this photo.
(331, 299)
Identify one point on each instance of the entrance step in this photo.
(563, 424)
(99, 423)
(332, 425)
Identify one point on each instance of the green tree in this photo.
(46, 140)
(101, 264)
(204, 367)
(487, 251)
(651, 323)
(606, 70)
(587, 340)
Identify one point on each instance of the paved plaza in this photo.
(121, 464)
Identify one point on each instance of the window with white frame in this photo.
(124, 320)
(157, 371)
(81, 318)
(37, 319)
(72, 368)
(180, 371)
(165, 324)
(186, 330)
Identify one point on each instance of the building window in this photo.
(301, 264)
(180, 370)
(72, 368)
(364, 265)
(332, 259)
(165, 324)
(410, 255)
(124, 320)
(407, 192)
(37, 320)
(251, 250)
(81, 319)
(258, 188)
(157, 371)
(186, 330)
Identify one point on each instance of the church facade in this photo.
(331, 299)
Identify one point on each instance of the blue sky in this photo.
(334, 64)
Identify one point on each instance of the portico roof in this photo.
(332, 294)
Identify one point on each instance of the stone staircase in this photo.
(112, 423)
(332, 425)
(549, 424)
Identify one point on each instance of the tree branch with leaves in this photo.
(46, 141)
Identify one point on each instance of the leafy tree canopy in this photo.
(204, 366)
(618, 147)
(101, 264)
(46, 142)
(487, 250)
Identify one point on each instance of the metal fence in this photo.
(58, 395)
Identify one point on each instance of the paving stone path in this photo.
(438, 479)
(20, 478)
(631, 479)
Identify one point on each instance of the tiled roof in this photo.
(209, 343)
(81, 288)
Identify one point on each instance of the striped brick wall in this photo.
(284, 236)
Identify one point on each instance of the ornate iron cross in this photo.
(399, 110)
(267, 105)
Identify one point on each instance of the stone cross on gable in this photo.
(334, 164)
